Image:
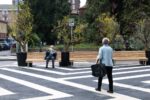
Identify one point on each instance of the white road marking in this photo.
(116, 73)
(76, 85)
(76, 77)
(43, 98)
(72, 69)
(138, 67)
(147, 82)
(14, 64)
(55, 94)
(74, 73)
(134, 71)
(57, 72)
(132, 77)
(5, 92)
(129, 86)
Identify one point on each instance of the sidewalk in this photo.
(7, 56)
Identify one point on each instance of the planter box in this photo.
(21, 59)
(147, 53)
(65, 59)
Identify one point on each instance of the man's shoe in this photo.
(46, 67)
(110, 91)
(98, 89)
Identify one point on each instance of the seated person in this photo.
(50, 55)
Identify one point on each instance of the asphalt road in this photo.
(75, 83)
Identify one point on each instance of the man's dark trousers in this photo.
(53, 61)
(110, 78)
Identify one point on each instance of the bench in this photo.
(35, 57)
(130, 56)
(90, 56)
(117, 56)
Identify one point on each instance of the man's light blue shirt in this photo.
(106, 53)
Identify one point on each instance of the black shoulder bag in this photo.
(98, 70)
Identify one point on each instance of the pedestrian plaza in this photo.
(131, 82)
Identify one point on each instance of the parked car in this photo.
(11, 41)
(4, 45)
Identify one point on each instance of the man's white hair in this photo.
(105, 40)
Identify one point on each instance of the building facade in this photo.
(3, 29)
(75, 5)
(8, 15)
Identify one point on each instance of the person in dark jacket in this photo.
(105, 56)
(50, 55)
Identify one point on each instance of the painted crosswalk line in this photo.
(58, 72)
(72, 84)
(147, 82)
(5, 92)
(79, 79)
(55, 94)
(115, 73)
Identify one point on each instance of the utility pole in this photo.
(71, 24)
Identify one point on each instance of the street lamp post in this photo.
(71, 24)
(17, 10)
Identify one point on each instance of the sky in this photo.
(82, 2)
(6, 2)
(10, 2)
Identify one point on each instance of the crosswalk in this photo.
(39, 83)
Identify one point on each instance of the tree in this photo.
(101, 23)
(143, 32)
(21, 30)
(64, 33)
(46, 13)
(94, 8)
(108, 27)
(128, 13)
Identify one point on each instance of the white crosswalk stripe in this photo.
(5, 92)
(56, 94)
(64, 76)
(84, 87)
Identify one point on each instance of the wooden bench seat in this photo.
(35, 57)
(90, 56)
(130, 56)
(83, 55)
(117, 56)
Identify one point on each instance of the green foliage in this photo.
(22, 28)
(81, 46)
(63, 31)
(100, 22)
(46, 13)
(118, 43)
(108, 27)
(78, 33)
(143, 32)
(94, 8)
(129, 12)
